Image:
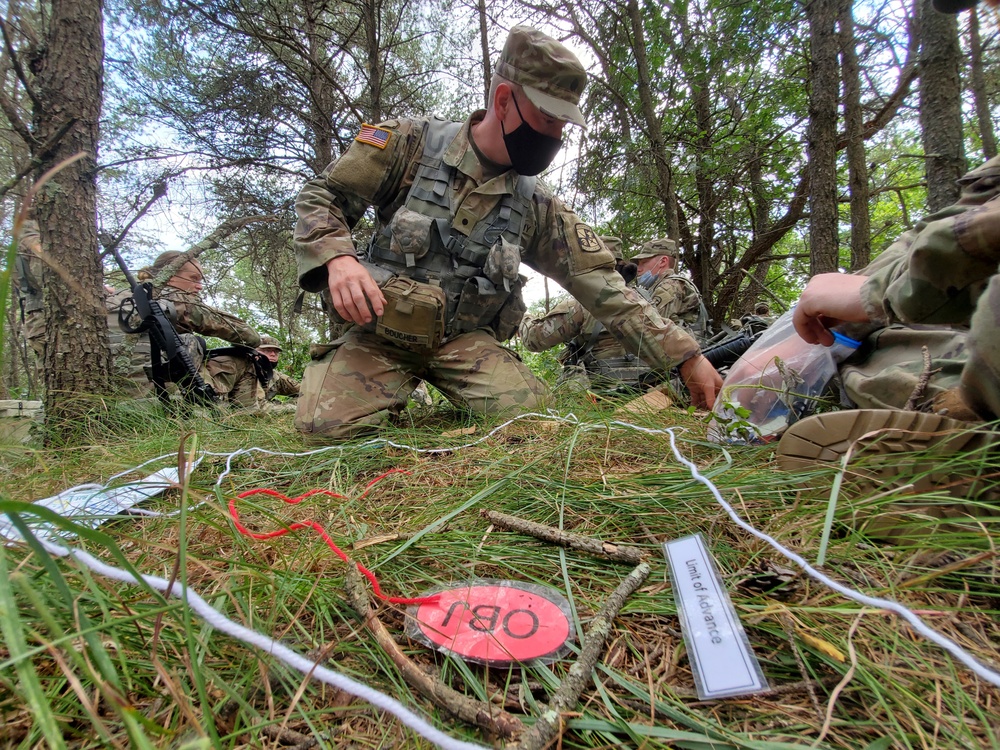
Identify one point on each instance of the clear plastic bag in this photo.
(778, 381)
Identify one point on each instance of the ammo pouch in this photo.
(628, 370)
(478, 305)
(414, 314)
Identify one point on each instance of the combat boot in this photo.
(903, 454)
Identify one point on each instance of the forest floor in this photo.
(89, 661)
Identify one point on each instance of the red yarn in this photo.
(322, 532)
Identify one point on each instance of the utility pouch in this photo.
(478, 305)
(414, 314)
(502, 263)
(512, 313)
(410, 235)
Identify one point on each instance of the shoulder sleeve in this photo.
(194, 316)
(560, 326)
(632, 320)
(562, 245)
(370, 172)
(946, 269)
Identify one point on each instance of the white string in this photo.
(307, 667)
(295, 660)
(925, 630)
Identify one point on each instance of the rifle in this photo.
(728, 351)
(166, 346)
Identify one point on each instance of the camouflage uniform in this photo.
(593, 357)
(362, 379)
(29, 286)
(675, 295)
(237, 380)
(677, 298)
(190, 316)
(130, 354)
(940, 276)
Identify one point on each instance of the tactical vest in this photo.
(700, 327)
(430, 241)
(627, 370)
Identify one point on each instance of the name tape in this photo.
(721, 659)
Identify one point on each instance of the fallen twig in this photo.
(483, 715)
(616, 552)
(581, 673)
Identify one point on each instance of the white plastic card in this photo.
(721, 659)
(93, 504)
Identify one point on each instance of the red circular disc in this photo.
(494, 622)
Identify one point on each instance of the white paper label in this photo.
(721, 658)
(91, 505)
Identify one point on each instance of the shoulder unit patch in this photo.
(587, 238)
(373, 136)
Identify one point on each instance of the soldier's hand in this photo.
(702, 380)
(354, 292)
(828, 300)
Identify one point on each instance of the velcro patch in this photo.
(373, 136)
(587, 238)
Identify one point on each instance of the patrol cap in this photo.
(653, 248)
(552, 77)
(170, 258)
(269, 342)
(954, 6)
(981, 184)
(614, 244)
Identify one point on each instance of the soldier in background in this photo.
(247, 379)
(28, 279)
(281, 384)
(128, 354)
(179, 297)
(593, 359)
(674, 295)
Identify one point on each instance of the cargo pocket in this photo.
(311, 390)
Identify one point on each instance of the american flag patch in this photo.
(373, 136)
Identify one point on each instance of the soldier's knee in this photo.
(318, 429)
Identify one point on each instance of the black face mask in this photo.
(530, 151)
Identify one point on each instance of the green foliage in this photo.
(545, 365)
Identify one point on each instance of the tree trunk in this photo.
(371, 22)
(70, 85)
(940, 106)
(980, 93)
(702, 271)
(857, 165)
(484, 41)
(321, 94)
(823, 45)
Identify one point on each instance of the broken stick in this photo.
(617, 552)
(483, 715)
(581, 673)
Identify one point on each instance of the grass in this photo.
(87, 662)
